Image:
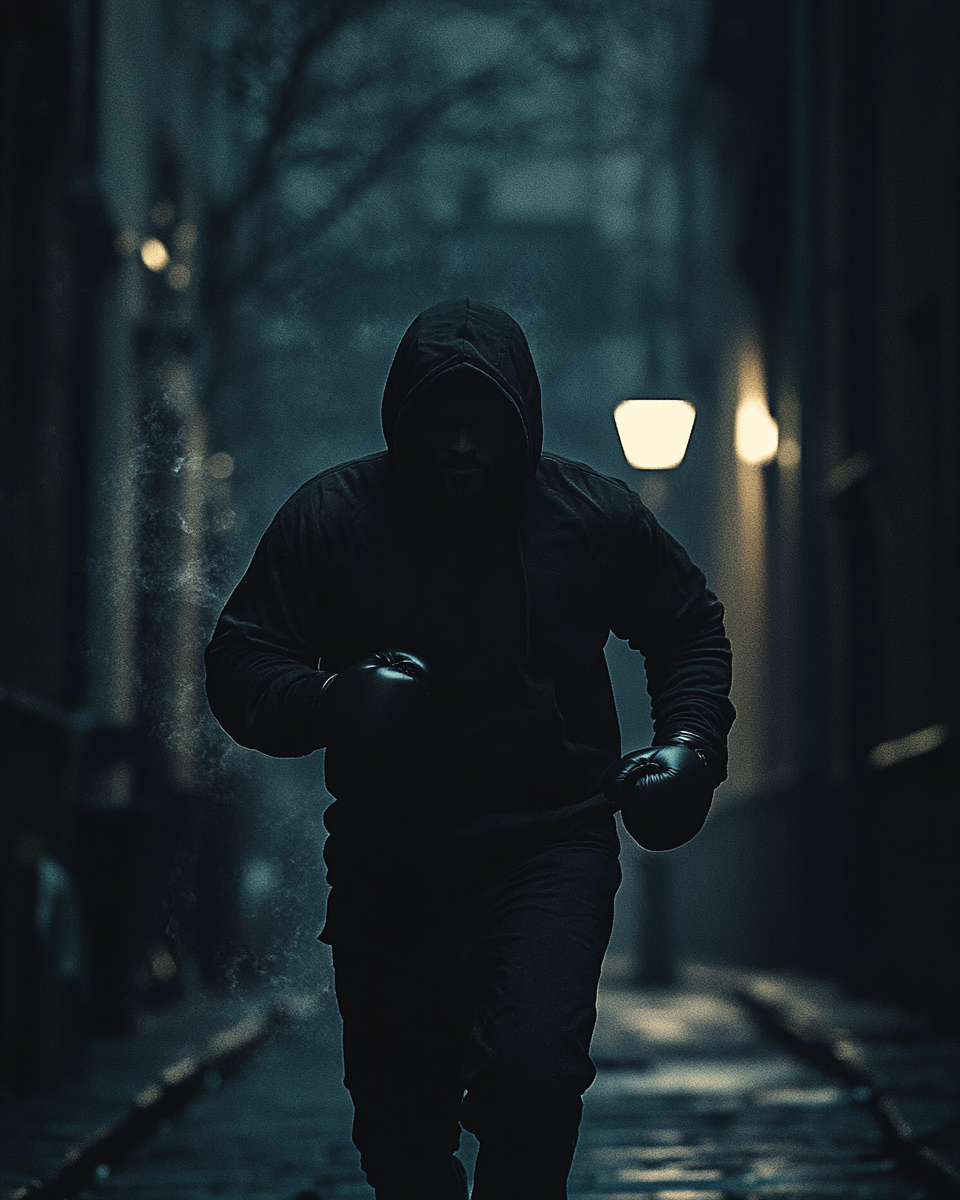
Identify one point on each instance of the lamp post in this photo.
(654, 434)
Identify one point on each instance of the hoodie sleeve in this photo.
(667, 612)
(262, 679)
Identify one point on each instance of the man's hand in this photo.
(377, 700)
(664, 793)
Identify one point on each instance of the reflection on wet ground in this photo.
(693, 1102)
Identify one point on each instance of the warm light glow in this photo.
(756, 436)
(788, 452)
(757, 433)
(178, 277)
(654, 433)
(163, 213)
(162, 964)
(185, 236)
(125, 242)
(220, 465)
(154, 254)
(914, 745)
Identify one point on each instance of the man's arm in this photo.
(688, 677)
(667, 612)
(262, 678)
(263, 683)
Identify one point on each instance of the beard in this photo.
(457, 489)
(465, 485)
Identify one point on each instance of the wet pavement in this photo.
(696, 1098)
(693, 1101)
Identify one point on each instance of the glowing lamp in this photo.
(154, 254)
(757, 435)
(654, 433)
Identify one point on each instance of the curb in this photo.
(176, 1086)
(789, 1012)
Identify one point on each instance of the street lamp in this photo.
(654, 434)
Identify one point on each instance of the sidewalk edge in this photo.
(835, 1052)
(172, 1091)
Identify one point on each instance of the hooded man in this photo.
(436, 615)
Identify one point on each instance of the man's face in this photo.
(466, 434)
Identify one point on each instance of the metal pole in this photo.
(656, 955)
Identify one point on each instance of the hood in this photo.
(463, 335)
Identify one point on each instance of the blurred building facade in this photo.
(102, 446)
(834, 845)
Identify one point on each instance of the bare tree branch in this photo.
(338, 94)
(321, 23)
(297, 244)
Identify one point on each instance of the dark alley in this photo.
(438, 443)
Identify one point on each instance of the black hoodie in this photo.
(511, 608)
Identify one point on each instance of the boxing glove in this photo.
(663, 793)
(376, 701)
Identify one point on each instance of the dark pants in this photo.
(472, 998)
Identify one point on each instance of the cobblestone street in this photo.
(694, 1100)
